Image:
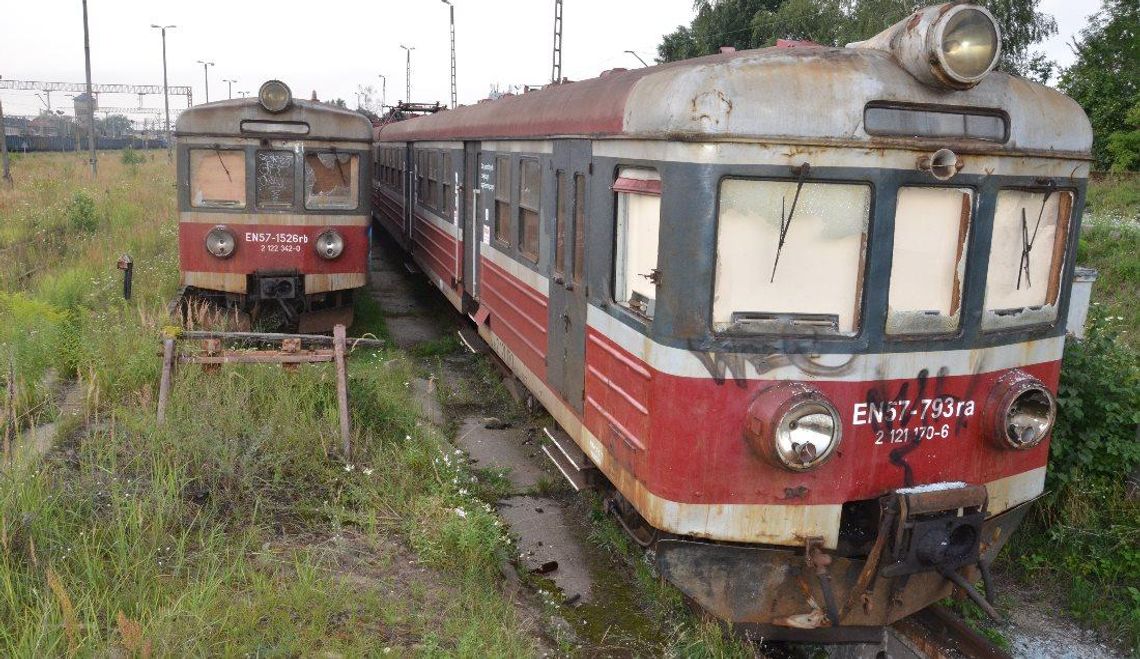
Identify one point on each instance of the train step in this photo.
(568, 458)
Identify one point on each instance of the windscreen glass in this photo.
(790, 257)
(1026, 254)
(275, 172)
(929, 262)
(217, 178)
(331, 181)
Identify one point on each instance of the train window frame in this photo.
(448, 186)
(995, 320)
(796, 323)
(918, 109)
(352, 199)
(244, 203)
(561, 201)
(578, 262)
(908, 323)
(501, 228)
(640, 184)
(292, 207)
(528, 218)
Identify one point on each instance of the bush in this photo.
(132, 157)
(1099, 407)
(81, 213)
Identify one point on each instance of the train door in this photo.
(566, 360)
(410, 174)
(474, 178)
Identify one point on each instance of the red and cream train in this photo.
(273, 203)
(802, 307)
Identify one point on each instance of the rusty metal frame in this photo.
(212, 356)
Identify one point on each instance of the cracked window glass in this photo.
(331, 181)
(275, 182)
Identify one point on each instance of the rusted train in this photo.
(803, 308)
(273, 199)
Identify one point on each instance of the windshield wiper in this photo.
(218, 153)
(785, 223)
(1027, 240)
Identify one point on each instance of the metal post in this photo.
(90, 95)
(453, 94)
(556, 67)
(4, 145)
(408, 75)
(166, 91)
(383, 91)
(206, 72)
(231, 86)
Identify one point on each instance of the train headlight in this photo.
(968, 43)
(794, 426)
(1020, 411)
(330, 244)
(274, 96)
(221, 242)
(948, 45)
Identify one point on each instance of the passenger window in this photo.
(448, 181)
(1026, 255)
(560, 224)
(435, 195)
(530, 198)
(331, 181)
(275, 172)
(503, 201)
(790, 257)
(579, 227)
(638, 227)
(217, 178)
(929, 263)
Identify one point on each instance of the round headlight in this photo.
(330, 244)
(794, 426)
(1020, 411)
(807, 434)
(220, 242)
(274, 96)
(968, 43)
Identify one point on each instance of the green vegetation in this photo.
(235, 528)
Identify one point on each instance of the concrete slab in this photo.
(545, 537)
(409, 330)
(503, 448)
(424, 392)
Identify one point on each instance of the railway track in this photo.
(936, 633)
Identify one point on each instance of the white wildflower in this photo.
(461, 512)
(367, 471)
(349, 467)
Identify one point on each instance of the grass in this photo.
(235, 528)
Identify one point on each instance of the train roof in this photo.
(796, 94)
(224, 119)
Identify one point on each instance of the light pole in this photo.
(90, 96)
(451, 7)
(165, 88)
(638, 57)
(244, 93)
(383, 90)
(408, 75)
(206, 70)
(231, 86)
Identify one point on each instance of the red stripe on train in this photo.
(265, 247)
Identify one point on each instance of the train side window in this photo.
(530, 200)
(448, 181)
(217, 178)
(579, 227)
(790, 257)
(560, 202)
(638, 230)
(929, 262)
(275, 171)
(1031, 230)
(331, 181)
(503, 201)
(434, 176)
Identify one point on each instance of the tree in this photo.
(1124, 145)
(114, 125)
(1105, 78)
(718, 23)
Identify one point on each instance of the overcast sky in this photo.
(334, 46)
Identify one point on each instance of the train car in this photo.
(802, 307)
(273, 199)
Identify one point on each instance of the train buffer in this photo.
(289, 350)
